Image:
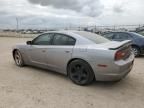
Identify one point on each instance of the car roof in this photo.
(65, 31)
(79, 35)
(72, 33)
(134, 34)
(119, 32)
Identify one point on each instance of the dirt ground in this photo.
(29, 87)
(14, 34)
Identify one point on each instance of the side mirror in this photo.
(29, 42)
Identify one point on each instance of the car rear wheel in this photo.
(80, 72)
(18, 58)
(136, 51)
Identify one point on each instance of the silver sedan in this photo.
(83, 56)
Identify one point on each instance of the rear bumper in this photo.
(114, 77)
(115, 72)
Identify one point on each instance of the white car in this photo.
(83, 56)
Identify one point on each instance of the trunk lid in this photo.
(114, 45)
(123, 49)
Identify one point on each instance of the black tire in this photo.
(18, 58)
(80, 72)
(136, 51)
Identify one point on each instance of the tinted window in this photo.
(93, 37)
(109, 35)
(117, 36)
(71, 41)
(136, 34)
(122, 36)
(44, 39)
(60, 39)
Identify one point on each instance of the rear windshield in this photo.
(93, 37)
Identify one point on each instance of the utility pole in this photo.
(95, 29)
(17, 24)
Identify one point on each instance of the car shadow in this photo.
(141, 56)
(111, 85)
(47, 71)
(103, 84)
(107, 85)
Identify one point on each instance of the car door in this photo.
(121, 36)
(60, 52)
(38, 49)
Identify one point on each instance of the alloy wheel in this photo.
(79, 74)
(18, 58)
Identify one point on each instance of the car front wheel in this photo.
(18, 58)
(80, 72)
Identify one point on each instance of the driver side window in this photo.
(44, 39)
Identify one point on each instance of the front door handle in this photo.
(43, 51)
(67, 51)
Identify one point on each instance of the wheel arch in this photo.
(14, 52)
(134, 45)
(77, 59)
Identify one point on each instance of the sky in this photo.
(69, 13)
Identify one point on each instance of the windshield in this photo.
(93, 37)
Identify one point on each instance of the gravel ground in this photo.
(18, 35)
(30, 87)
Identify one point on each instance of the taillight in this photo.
(119, 55)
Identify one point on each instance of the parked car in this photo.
(137, 40)
(141, 33)
(83, 56)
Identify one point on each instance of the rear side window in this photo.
(61, 39)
